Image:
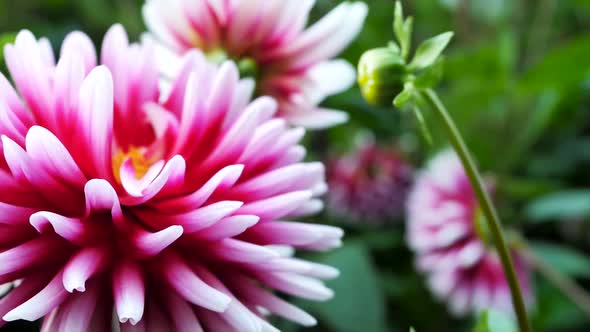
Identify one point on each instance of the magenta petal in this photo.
(100, 196)
(82, 266)
(28, 287)
(76, 313)
(94, 125)
(29, 254)
(45, 149)
(236, 315)
(79, 44)
(71, 229)
(171, 177)
(240, 251)
(14, 215)
(227, 227)
(274, 304)
(305, 287)
(277, 206)
(182, 314)
(41, 304)
(221, 181)
(205, 216)
(189, 286)
(129, 291)
(147, 244)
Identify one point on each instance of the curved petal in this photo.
(41, 304)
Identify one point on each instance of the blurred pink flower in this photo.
(168, 213)
(269, 38)
(369, 185)
(460, 267)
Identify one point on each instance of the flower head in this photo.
(269, 41)
(381, 75)
(166, 211)
(369, 185)
(460, 266)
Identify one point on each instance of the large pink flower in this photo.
(269, 40)
(369, 185)
(173, 214)
(461, 268)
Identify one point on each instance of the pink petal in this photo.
(100, 196)
(30, 72)
(30, 254)
(28, 288)
(277, 206)
(227, 227)
(79, 44)
(239, 251)
(319, 118)
(221, 181)
(77, 312)
(274, 304)
(297, 285)
(129, 291)
(182, 314)
(86, 263)
(14, 215)
(147, 244)
(189, 286)
(171, 177)
(41, 304)
(94, 125)
(236, 315)
(193, 221)
(71, 229)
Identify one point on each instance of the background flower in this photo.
(369, 185)
(171, 213)
(270, 42)
(460, 266)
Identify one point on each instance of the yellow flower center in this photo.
(141, 164)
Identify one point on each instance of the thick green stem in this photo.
(485, 203)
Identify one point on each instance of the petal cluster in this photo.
(369, 185)
(169, 211)
(449, 249)
(292, 63)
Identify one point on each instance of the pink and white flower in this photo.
(460, 267)
(174, 214)
(269, 37)
(369, 185)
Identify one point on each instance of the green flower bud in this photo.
(381, 74)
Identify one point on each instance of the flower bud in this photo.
(381, 74)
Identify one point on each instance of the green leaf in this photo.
(572, 204)
(405, 96)
(494, 321)
(393, 46)
(402, 29)
(398, 21)
(356, 288)
(561, 68)
(407, 41)
(431, 76)
(563, 259)
(429, 50)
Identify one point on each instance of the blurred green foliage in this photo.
(517, 82)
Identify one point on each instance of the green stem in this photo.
(485, 202)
